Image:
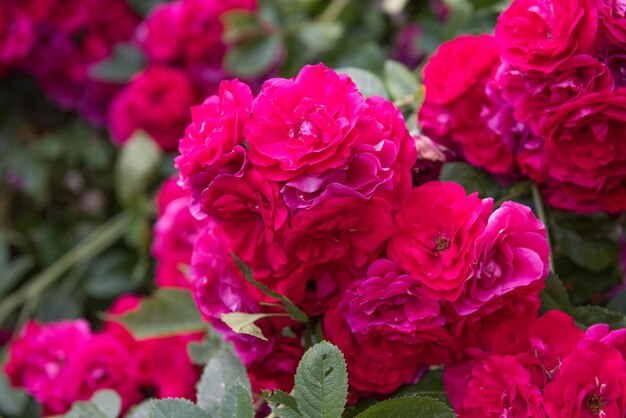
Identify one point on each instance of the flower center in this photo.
(594, 403)
(441, 244)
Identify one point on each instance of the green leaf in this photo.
(400, 81)
(618, 303)
(200, 352)
(239, 24)
(319, 37)
(472, 179)
(293, 311)
(167, 312)
(125, 61)
(220, 373)
(591, 315)
(140, 411)
(368, 84)
(176, 408)
(321, 380)
(288, 406)
(408, 407)
(430, 385)
(591, 253)
(237, 403)
(253, 57)
(135, 167)
(12, 401)
(108, 275)
(554, 296)
(243, 323)
(103, 404)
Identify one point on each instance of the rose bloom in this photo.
(434, 236)
(305, 124)
(380, 161)
(342, 228)
(277, 368)
(591, 382)
(16, 34)
(107, 362)
(38, 362)
(155, 101)
(391, 304)
(252, 214)
(212, 141)
(175, 232)
(512, 253)
(468, 114)
(501, 387)
(165, 365)
(612, 15)
(374, 366)
(540, 35)
(585, 154)
(188, 33)
(536, 96)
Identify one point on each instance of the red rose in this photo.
(584, 156)
(434, 236)
(540, 35)
(156, 101)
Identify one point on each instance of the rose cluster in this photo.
(182, 41)
(543, 367)
(309, 184)
(59, 42)
(64, 362)
(543, 98)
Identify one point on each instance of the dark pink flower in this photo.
(511, 254)
(39, 358)
(16, 34)
(391, 304)
(540, 35)
(375, 366)
(175, 232)
(463, 108)
(501, 387)
(434, 236)
(351, 229)
(276, 369)
(156, 101)
(612, 17)
(536, 96)
(590, 382)
(304, 125)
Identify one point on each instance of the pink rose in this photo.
(212, 141)
(612, 17)
(591, 382)
(586, 180)
(276, 370)
(380, 161)
(536, 96)
(511, 254)
(175, 232)
(107, 362)
(342, 228)
(156, 101)
(463, 108)
(540, 35)
(165, 365)
(16, 34)
(374, 366)
(501, 387)
(391, 304)
(434, 236)
(251, 213)
(304, 125)
(38, 362)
